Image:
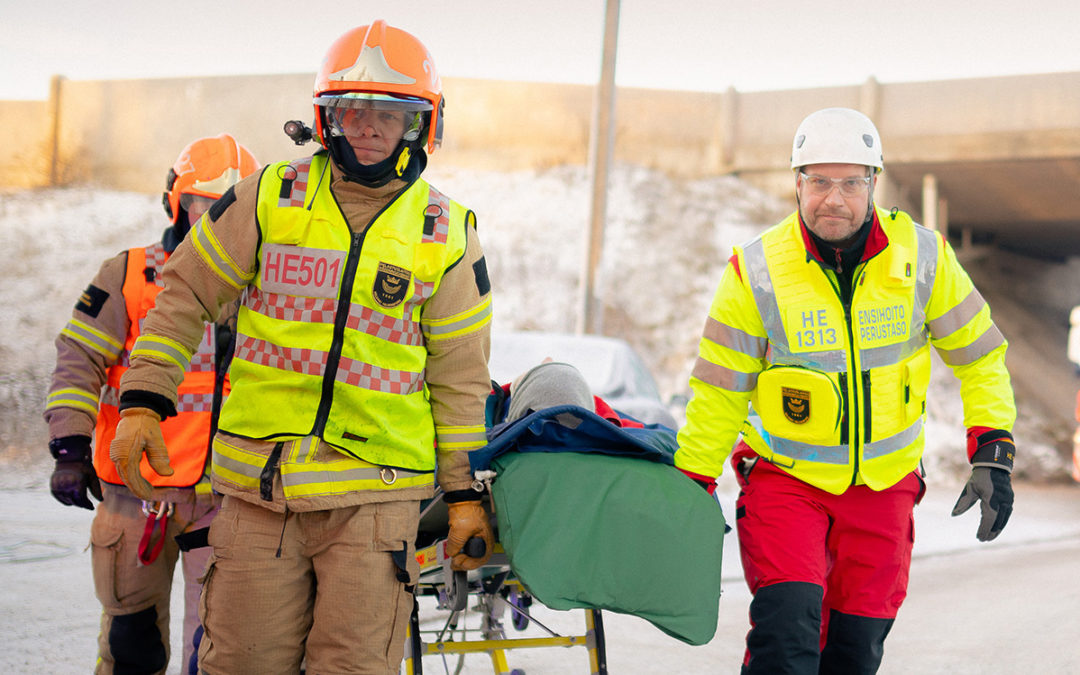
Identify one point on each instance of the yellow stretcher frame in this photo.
(454, 589)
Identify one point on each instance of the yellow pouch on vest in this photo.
(798, 404)
(916, 382)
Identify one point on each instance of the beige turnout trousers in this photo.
(134, 597)
(331, 589)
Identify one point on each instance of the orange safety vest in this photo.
(187, 435)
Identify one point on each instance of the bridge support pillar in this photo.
(935, 209)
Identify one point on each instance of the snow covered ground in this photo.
(664, 252)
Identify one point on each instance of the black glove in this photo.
(990, 484)
(74, 473)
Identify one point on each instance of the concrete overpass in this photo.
(992, 159)
(988, 160)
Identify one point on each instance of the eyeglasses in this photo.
(390, 123)
(852, 186)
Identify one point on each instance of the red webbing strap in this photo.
(148, 555)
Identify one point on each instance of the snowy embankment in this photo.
(664, 251)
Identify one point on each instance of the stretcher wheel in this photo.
(522, 601)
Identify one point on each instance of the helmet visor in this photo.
(392, 124)
(195, 205)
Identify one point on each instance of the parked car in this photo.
(614, 371)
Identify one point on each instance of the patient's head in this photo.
(549, 384)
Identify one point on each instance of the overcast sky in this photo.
(706, 45)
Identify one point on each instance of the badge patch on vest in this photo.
(391, 285)
(796, 404)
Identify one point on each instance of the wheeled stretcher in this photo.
(486, 612)
(587, 516)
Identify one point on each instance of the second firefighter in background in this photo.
(133, 545)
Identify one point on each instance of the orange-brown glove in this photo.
(139, 429)
(468, 520)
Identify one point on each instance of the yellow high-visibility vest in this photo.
(329, 338)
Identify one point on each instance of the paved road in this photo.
(1009, 606)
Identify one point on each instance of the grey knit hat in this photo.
(547, 385)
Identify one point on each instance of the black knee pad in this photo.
(786, 632)
(855, 644)
(135, 643)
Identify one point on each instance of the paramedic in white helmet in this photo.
(817, 351)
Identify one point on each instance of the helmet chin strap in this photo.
(404, 162)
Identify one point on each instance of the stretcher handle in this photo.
(475, 547)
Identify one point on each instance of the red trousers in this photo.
(855, 546)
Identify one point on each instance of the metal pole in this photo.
(55, 84)
(601, 141)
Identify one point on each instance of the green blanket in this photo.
(615, 533)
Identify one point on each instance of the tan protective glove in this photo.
(468, 520)
(139, 429)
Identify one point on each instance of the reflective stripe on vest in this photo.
(330, 341)
(777, 268)
(187, 435)
(302, 476)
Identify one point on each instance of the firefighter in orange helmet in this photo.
(136, 540)
(361, 357)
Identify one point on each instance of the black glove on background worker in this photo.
(990, 483)
(74, 473)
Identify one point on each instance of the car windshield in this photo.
(611, 367)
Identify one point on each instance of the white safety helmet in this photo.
(836, 136)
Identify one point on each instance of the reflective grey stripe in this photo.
(925, 270)
(893, 443)
(444, 438)
(824, 454)
(293, 476)
(232, 465)
(303, 449)
(206, 244)
(958, 317)
(838, 454)
(72, 398)
(154, 347)
(725, 378)
(986, 343)
(97, 341)
(733, 338)
(460, 325)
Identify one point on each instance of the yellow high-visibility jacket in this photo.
(837, 394)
